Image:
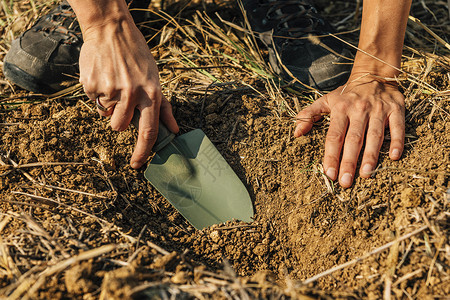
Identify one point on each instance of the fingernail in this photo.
(366, 169)
(331, 173)
(346, 179)
(395, 153)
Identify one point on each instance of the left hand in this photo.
(359, 111)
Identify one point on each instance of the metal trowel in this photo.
(194, 177)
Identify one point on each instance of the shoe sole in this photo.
(25, 80)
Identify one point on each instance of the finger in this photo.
(148, 132)
(333, 144)
(107, 113)
(397, 129)
(104, 109)
(166, 115)
(309, 115)
(123, 111)
(374, 141)
(352, 147)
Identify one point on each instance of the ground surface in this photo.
(96, 227)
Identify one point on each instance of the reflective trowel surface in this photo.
(194, 177)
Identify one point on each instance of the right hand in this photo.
(116, 65)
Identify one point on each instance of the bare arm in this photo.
(116, 65)
(368, 102)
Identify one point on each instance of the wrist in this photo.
(112, 29)
(364, 76)
(98, 14)
(379, 65)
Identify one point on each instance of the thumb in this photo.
(309, 115)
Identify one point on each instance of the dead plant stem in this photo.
(30, 285)
(433, 261)
(438, 38)
(100, 220)
(43, 164)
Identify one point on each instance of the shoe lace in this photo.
(295, 18)
(63, 21)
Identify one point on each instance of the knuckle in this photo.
(165, 105)
(397, 108)
(304, 117)
(115, 127)
(155, 93)
(355, 137)
(378, 123)
(378, 106)
(128, 89)
(400, 124)
(330, 161)
(127, 84)
(374, 134)
(148, 134)
(109, 90)
(83, 81)
(89, 87)
(348, 166)
(342, 106)
(397, 142)
(370, 157)
(128, 93)
(107, 113)
(397, 125)
(335, 137)
(116, 123)
(362, 106)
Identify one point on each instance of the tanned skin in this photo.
(369, 101)
(117, 66)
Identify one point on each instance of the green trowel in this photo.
(194, 177)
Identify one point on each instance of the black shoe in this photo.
(284, 26)
(44, 59)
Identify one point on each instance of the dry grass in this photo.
(201, 53)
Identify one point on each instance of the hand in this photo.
(116, 65)
(361, 108)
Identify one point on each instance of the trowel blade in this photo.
(194, 177)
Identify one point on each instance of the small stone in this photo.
(410, 197)
(303, 140)
(215, 236)
(77, 279)
(179, 278)
(161, 262)
(260, 250)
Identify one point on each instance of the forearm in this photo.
(382, 33)
(97, 13)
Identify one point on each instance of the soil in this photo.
(304, 224)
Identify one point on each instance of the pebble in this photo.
(215, 236)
